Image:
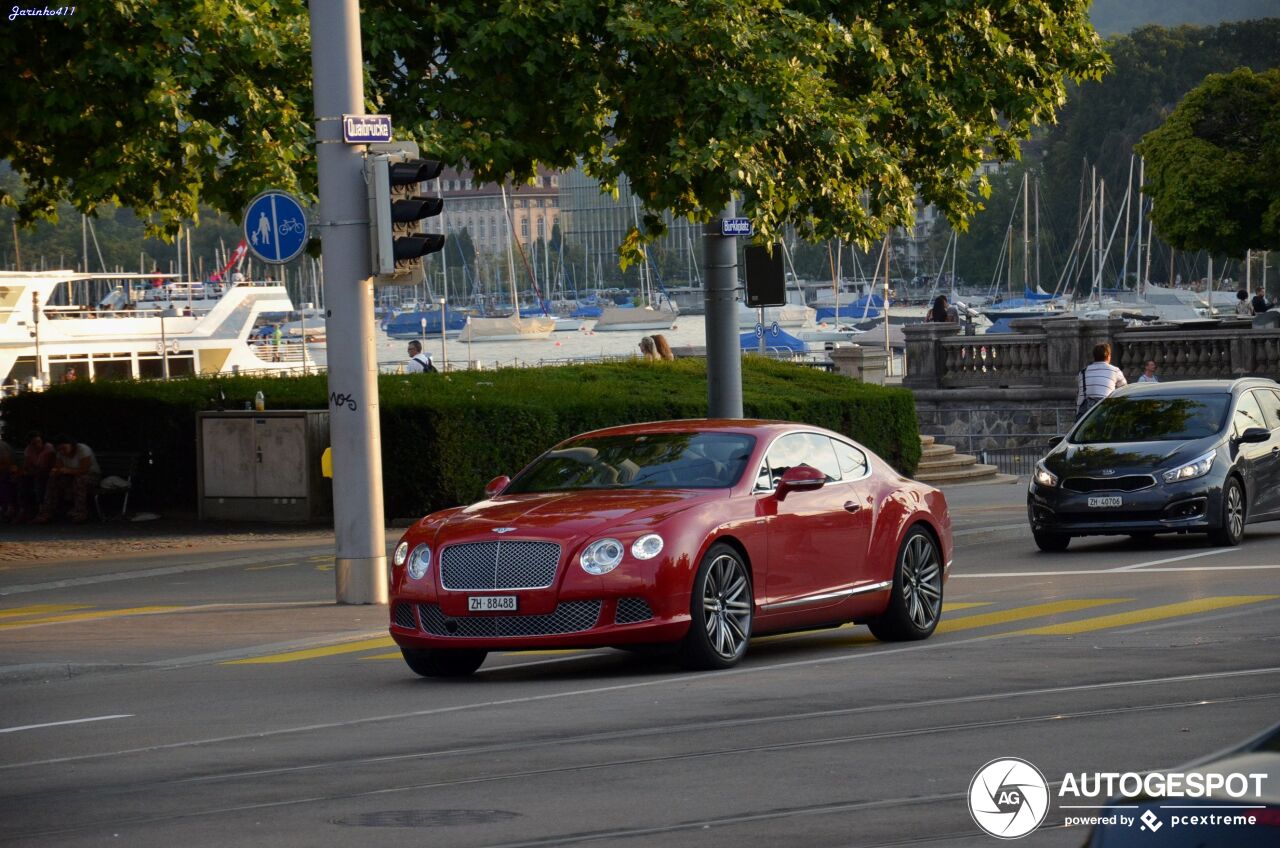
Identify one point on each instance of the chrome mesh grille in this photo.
(631, 610)
(1130, 483)
(403, 617)
(570, 617)
(499, 565)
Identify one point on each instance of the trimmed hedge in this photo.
(445, 436)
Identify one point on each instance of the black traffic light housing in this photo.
(398, 209)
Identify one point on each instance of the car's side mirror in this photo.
(1053, 440)
(496, 485)
(800, 478)
(1254, 435)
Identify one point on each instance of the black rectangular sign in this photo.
(766, 283)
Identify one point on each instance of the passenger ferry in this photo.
(43, 342)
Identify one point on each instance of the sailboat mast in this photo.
(1141, 282)
(1038, 288)
(1128, 193)
(1026, 238)
(887, 253)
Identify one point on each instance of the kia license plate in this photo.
(1106, 502)
(497, 603)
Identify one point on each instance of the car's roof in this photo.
(751, 426)
(1196, 387)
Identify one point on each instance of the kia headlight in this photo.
(601, 556)
(647, 547)
(402, 551)
(1045, 477)
(419, 561)
(1197, 467)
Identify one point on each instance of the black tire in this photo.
(1231, 531)
(1051, 542)
(721, 608)
(443, 662)
(915, 604)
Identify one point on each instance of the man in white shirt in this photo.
(75, 475)
(419, 362)
(1098, 379)
(1148, 374)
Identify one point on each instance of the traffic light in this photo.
(398, 207)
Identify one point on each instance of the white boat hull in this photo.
(616, 319)
(507, 329)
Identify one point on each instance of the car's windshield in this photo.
(641, 461)
(1153, 419)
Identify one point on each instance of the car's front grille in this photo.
(569, 617)
(631, 610)
(504, 564)
(403, 617)
(1130, 483)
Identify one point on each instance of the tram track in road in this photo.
(151, 789)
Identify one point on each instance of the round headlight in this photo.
(419, 561)
(402, 551)
(601, 557)
(647, 547)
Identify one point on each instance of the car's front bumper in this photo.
(1194, 506)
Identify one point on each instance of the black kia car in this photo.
(1199, 456)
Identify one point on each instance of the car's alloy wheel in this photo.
(443, 662)
(915, 603)
(721, 611)
(1231, 531)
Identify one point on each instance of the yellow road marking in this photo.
(312, 653)
(987, 619)
(320, 559)
(394, 655)
(85, 616)
(39, 609)
(952, 606)
(266, 567)
(324, 568)
(1143, 615)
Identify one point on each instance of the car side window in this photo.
(1270, 402)
(853, 462)
(1248, 414)
(794, 449)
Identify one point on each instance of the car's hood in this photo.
(1124, 457)
(568, 514)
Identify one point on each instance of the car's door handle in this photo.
(852, 506)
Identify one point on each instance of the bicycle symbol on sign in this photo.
(290, 225)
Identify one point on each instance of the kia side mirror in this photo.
(496, 485)
(1254, 435)
(800, 478)
(1054, 440)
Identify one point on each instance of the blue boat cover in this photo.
(782, 341)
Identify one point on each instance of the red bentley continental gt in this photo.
(695, 534)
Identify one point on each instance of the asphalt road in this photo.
(222, 699)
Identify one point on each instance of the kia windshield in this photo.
(639, 461)
(1153, 419)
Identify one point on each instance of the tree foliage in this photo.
(1213, 168)
(827, 114)
(158, 106)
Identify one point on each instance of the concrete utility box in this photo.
(263, 466)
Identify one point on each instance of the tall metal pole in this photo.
(360, 567)
(724, 358)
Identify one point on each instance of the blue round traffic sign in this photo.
(759, 330)
(774, 329)
(275, 227)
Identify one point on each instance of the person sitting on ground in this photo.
(648, 349)
(1098, 379)
(33, 475)
(1243, 308)
(941, 312)
(1259, 302)
(662, 348)
(74, 476)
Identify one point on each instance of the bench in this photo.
(118, 469)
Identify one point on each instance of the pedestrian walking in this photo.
(419, 361)
(1148, 374)
(1098, 380)
(1259, 302)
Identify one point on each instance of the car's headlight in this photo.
(1045, 477)
(402, 551)
(601, 557)
(419, 561)
(1197, 467)
(647, 547)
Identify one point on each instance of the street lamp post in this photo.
(444, 353)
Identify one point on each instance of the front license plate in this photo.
(1102, 502)
(495, 603)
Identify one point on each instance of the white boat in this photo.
(510, 329)
(788, 317)
(41, 341)
(618, 318)
(159, 291)
(568, 325)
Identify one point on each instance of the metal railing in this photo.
(1020, 460)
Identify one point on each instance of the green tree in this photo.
(1213, 168)
(828, 115)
